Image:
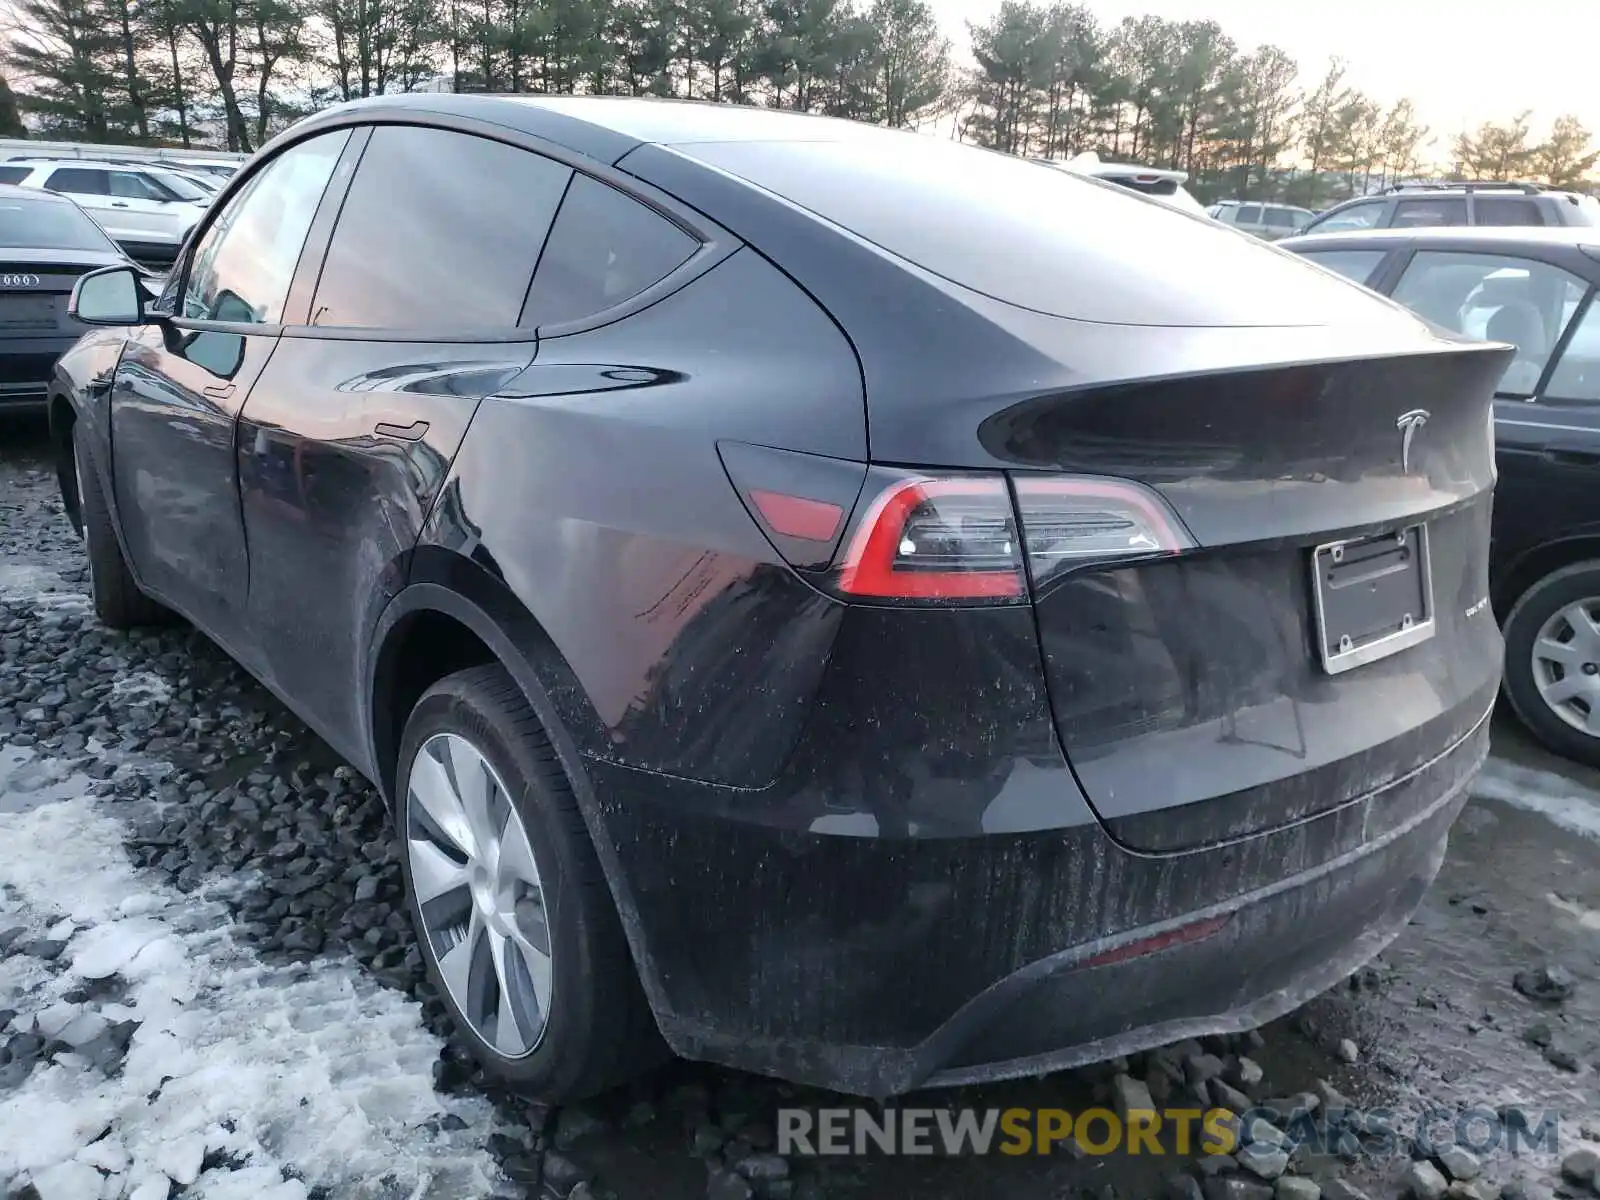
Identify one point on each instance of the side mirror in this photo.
(109, 296)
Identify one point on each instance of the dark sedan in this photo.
(811, 604)
(1535, 290)
(46, 243)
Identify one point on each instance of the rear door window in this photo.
(1356, 265)
(1449, 210)
(1367, 214)
(131, 185)
(1506, 210)
(80, 181)
(1576, 378)
(1499, 298)
(440, 231)
(1249, 214)
(1278, 218)
(604, 248)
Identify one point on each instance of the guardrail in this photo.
(27, 147)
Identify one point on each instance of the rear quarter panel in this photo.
(592, 487)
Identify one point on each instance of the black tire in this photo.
(118, 602)
(1535, 607)
(599, 1031)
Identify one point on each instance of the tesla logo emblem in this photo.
(17, 281)
(1408, 424)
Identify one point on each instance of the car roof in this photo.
(95, 164)
(607, 127)
(1489, 235)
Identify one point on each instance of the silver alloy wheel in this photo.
(1566, 665)
(477, 884)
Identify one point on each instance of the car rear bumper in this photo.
(25, 367)
(877, 966)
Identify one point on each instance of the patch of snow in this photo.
(68, 1181)
(141, 685)
(29, 581)
(1564, 801)
(315, 1067)
(107, 949)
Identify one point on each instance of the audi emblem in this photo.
(19, 281)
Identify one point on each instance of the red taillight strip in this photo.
(1182, 935)
(869, 562)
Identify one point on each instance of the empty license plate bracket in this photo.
(1373, 597)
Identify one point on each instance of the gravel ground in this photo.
(208, 987)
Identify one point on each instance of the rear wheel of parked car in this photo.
(118, 602)
(517, 926)
(1553, 661)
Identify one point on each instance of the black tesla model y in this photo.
(817, 598)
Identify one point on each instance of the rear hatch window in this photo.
(1045, 240)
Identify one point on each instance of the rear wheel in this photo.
(118, 602)
(516, 923)
(1552, 675)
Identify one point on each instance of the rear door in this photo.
(346, 439)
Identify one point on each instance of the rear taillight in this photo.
(936, 539)
(972, 539)
(883, 535)
(1069, 521)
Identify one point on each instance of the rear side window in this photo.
(439, 231)
(1049, 241)
(1410, 214)
(1368, 214)
(1352, 264)
(14, 174)
(133, 186)
(1506, 210)
(80, 181)
(604, 248)
(1497, 298)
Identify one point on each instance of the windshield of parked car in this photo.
(48, 224)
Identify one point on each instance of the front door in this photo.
(183, 380)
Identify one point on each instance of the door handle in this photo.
(119, 204)
(218, 391)
(409, 433)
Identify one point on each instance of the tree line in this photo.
(1045, 79)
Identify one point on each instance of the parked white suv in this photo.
(1270, 221)
(147, 210)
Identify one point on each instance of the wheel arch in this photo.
(1529, 567)
(482, 621)
(63, 418)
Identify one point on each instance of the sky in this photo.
(1459, 61)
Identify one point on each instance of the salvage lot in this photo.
(213, 990)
